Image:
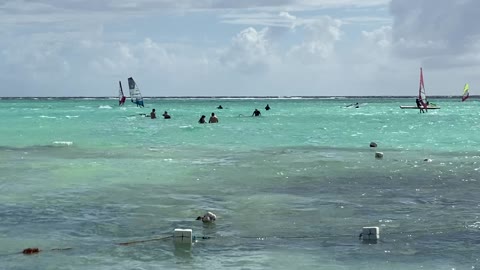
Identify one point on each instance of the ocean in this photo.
(292, 189)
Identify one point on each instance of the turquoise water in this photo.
(292, 189)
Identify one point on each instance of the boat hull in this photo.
(415, 107)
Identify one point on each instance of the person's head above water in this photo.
(209, 217)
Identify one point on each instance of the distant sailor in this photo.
(356, 105)
(267, 107)
(122, 100)
(213, 118)
(152, 114)
(202, 120)
(166, 115)
(209, 217)
(419, 105)
(256, 113)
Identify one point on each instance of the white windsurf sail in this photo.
(135, 95)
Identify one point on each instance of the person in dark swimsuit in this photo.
(166, 115)
(202, 120)
(419, 105)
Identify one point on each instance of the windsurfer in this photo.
(419, 105)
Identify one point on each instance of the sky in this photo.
(238, 47)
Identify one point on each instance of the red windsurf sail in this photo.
(121, 96)
(422, 96)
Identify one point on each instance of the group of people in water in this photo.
(213, 119)
(202, 120)
(153, 115)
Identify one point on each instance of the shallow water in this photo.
(292, 188)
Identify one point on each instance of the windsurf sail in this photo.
(422, 96)
(135, 95)
(466, 94)
(422, 102)
(121, 96)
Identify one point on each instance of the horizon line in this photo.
(233, 97)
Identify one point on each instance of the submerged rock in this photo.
(373, 144)
(378, 155)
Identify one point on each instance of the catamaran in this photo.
(422, 98)
(121, 96)
(135, 95)
(466, 94)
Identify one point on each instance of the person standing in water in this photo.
(256, 113)
(202, 120)
(166, 115)
(220, 107)
(153, 115)
(213, 119)
(267, 107)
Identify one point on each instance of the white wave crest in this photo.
(62, 143)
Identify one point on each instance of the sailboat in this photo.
(466, 94)
(135, 95)
(121, 96)
(422, 97)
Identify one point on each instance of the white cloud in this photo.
(381, 37)
(320, 38)
(220, 47)
(250, 51)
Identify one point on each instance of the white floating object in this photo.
(379, 155)
(370, 233)
(182, 236)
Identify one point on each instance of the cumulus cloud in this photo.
(204, 47)
(437, 31)
(320, 38)
(382, 37)
(250, 51)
